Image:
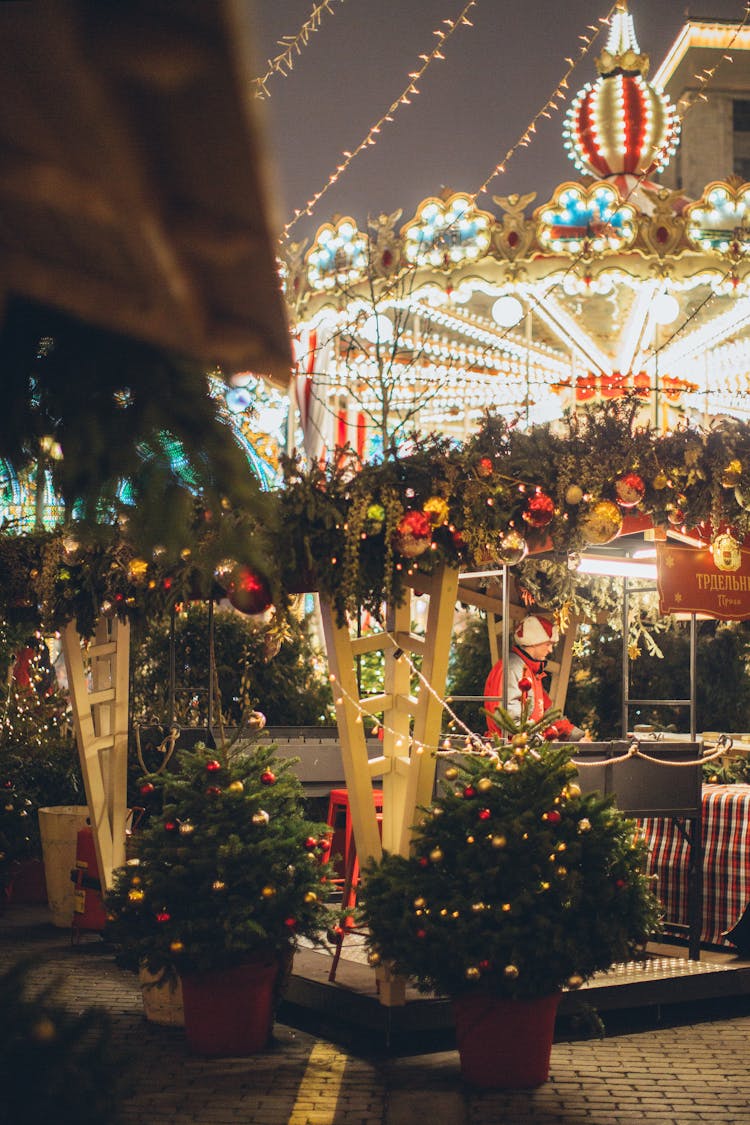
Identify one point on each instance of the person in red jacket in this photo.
(533, 641)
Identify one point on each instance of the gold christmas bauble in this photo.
(511, 972)
(730, 478)
(176, 947)
(436, 509)
(498, 841)
(436, 855)
(236, 787)
(726, 552)
(601, 523)
(137, 569)
(512, 548)
(311, 897)
(573, 494)
(268, 892)
(484, 784)
(575, 980)
(472, 973)
(451, 773)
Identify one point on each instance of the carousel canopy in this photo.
(613, 284)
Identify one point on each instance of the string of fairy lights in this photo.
(552, 104)
(410, 91)
(471, 742)
(703, 79)
(281, 65)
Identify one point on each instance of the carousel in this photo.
(613, 283)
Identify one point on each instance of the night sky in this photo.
(472, 106)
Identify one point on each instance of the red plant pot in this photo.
(28, 884)
(229, 1012)
(505, 1043)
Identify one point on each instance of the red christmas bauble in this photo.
(268, 777)
(629, 490)
(539, 510)
(485, 467)
(413, 534)
(248, 592)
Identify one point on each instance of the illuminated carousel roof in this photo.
(611, 284)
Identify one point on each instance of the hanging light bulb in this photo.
(507, 311)
(377, 329)
(665, 308)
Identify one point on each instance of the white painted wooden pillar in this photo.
(98, 681)
(411, 724)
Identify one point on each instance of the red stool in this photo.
(342, 838)
(346, 865)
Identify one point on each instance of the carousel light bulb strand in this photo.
(282, 63)
(411, 90)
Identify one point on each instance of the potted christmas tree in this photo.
(41, 778)
(518, 885)
(227, 876)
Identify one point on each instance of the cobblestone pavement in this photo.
(684, 1074)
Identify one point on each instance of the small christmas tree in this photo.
(229, 867)
(518, 884)
(19, 833)
(39, 763)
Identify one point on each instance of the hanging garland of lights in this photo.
(282, 63)
(410, 91)
(529, 500)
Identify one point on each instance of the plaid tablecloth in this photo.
(726, 861)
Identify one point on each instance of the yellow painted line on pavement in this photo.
(319, 1089)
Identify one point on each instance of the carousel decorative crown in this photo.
(621, 124)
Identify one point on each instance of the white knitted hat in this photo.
(535, 631)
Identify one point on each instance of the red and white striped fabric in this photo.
(726, 861)
(314, 352)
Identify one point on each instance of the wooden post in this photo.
(411, 725)
(100, 716)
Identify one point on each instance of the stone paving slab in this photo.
(685, 1073)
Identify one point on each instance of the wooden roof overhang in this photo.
(133, 182)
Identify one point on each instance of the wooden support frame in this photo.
(98, 680)
(411, 724)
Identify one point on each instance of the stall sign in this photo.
(690, 581)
